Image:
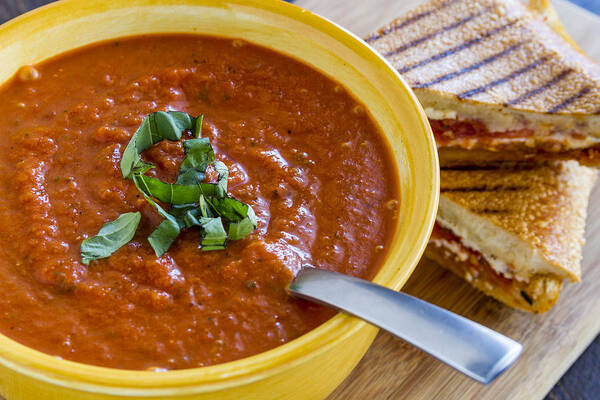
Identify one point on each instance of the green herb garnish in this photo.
(111, 237)
(155, 128)
(165, 234)
(193, 203)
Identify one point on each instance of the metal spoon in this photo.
(469, 347)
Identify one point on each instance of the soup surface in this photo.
(301, 151)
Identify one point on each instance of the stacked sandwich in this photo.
(515, 111)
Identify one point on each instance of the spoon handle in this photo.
(469, 347)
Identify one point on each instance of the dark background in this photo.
(581, 382)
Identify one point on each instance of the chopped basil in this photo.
(193, 202)
(199, 154)
(214, 235)
(223, 172)
(173, 193)
(198, 126)
(231, 209)
(111, 237)
(203, 208)
(167, 192)
(179, 210)
(154, 128)
(165, 234)
(190, 219)
(241, 216)
(239, 230)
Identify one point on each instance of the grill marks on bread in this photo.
(394, 27)
(490, 51)
(539, 89)
(433, 34)
(542, 205)
(456, 49)
(570, 100)
(472, 67)
(495, 183)
(507, 78)
(487, 188)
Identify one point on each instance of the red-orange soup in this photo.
(301, 151)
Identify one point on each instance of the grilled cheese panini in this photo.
(514, 234)
(496, 82)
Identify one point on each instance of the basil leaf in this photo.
(190, 177)
(241, 229)
(154, 128)
(111, 237)
(167, 192)
(193, 202)
(170, 125)
(214, 235)
(131, 161)
(191, 218)
(204, 208)
(198, 126)
(199, 153)
(181, 216)
(223, 172)
(209, 189)
(188, 215)
(231, 209)
(165, 234)
(179, 210)
(173, 193)
(241, 217)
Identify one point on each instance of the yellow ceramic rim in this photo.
(129, 382)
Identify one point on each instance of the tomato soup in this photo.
(301, 151)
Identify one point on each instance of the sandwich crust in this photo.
(495, 63)
(493, 53)
(536, 296)
(532, 218)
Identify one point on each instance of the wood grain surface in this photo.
(392, 369)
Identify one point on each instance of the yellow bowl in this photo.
(311, 366)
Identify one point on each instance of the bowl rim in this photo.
(76, 375)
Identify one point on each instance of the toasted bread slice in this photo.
(495, 77)
(524, 221)
(515, 234)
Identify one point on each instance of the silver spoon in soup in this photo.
(471, 348)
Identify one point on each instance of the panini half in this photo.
(496, 82)
(513, 234)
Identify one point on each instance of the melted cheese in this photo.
(500, 122)
(498, 265)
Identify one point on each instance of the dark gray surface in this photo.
(12, 8)
(581, 382)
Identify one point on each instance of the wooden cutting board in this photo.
(392, 369)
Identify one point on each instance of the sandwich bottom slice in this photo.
(536, 296)
(514, 234)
